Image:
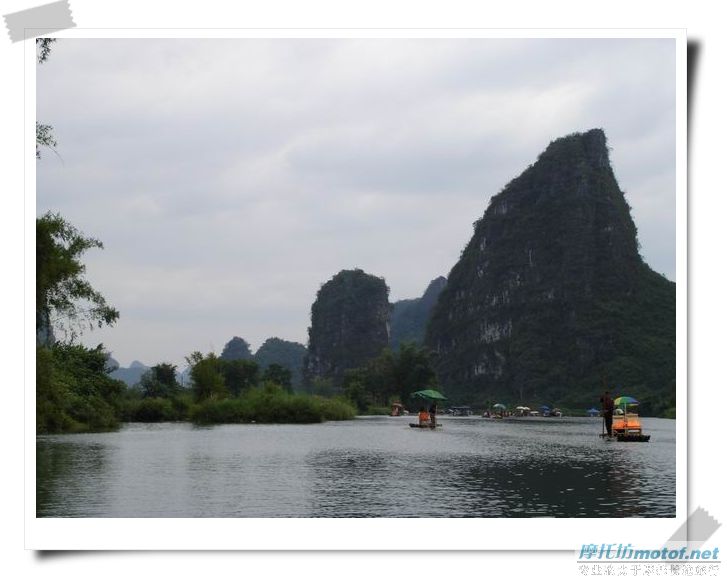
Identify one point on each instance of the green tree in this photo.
(354, 389)
(279, 375)
(43, 133)
(239, 375)
(207, 380)
(160, 381)
(73, 391)
(63, 296)
(322, 387)
(391, 375)
(44, 138)
(414, 370)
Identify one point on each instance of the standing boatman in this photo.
(607, 411)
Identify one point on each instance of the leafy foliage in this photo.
(239, 375)
(279, 375)
(63, 296)
(272, 404)
(231, 391)
(160, 381)
(44, 138)
(42, 48)
(156, 409)
(390, 376)
(43, 133)
(73, 391)
(208, 382)
(323, 387)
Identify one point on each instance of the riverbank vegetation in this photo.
(391, 376)
(270, 403)
(75, 393)
(227, 391)
(73, 390)
(234, 391)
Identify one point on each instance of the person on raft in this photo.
(607, 411)
(423, 416)
(433, 414)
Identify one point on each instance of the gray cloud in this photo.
(228, 179)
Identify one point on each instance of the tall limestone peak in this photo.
(349, 325)
(550, 297)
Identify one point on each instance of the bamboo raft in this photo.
(632, 437)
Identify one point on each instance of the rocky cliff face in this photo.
(409, 318)
(349, 325)
(550, 297)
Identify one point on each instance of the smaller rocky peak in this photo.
(590, 147)
(431, 294)
(596, 147)
(349, 325)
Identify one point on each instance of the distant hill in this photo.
(131, 375)
(285, 353)
(236, 349)
(409, 318)
(550, 298)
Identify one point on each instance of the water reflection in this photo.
(353, 483)
(70, 478)
(365, 468)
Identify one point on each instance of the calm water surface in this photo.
(370, 467)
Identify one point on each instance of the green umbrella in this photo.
(623, 401)
(430, 394)
(499, 406)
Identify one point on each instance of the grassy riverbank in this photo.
(259, 406)
(269, 404)
(75, 394)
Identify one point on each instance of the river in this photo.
(368, 467)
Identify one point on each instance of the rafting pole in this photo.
(603, 422)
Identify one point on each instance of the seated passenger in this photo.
(423, 416)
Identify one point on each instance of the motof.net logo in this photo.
(629, 553)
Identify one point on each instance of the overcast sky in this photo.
(229, 179)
